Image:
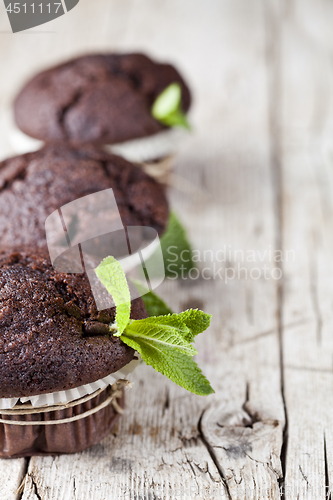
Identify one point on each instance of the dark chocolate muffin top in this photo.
(98, 98)
(34, 185)
(52, 337)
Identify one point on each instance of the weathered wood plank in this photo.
(306, 124)
(155, 449)
(168, 445)
(20, 56)
(194, 444)
(11, 475)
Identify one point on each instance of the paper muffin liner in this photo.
(141, 150)
(148, 149)
(160, 167)
(54, 398)
(155, 154)
(53, 431)
(161, 170)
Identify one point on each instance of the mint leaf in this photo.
(175, 365)
(168, 101)
(162, 331)
(155, 306)
(167, 107)
(176, 249)
(111, 275)
(165, 344)
(195, 320)
(188, 323)
(177, 119)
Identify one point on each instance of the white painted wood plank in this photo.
(172, 446)
(306, 132)
(233, 204)
(11, 475)
(23, 54)
(154, 450)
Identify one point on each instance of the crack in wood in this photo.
(188, 442)
(194, 473)
(303, 475)
(20, 489)
(34, 485)
(253, 416)
(206, 471)
(166, 402)
(328, 494)
(274, 77)
(213, 456)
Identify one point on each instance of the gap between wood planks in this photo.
(273, 63)
(273, 23)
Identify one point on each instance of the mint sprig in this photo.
(172, 360)
(167, 107)
(164, 342)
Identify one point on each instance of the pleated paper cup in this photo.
(155, 154)
(52, 431)
(64, 421)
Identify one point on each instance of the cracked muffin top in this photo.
(99, 99)
(52, 337)
(34, 185)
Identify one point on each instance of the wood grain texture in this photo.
(301, 136)
(170, 443)
(11, 475)
(306, 76)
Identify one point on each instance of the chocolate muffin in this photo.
(52, 339)
(34, 185)
(98, 99)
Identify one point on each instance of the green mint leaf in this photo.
(162, 331)
(177, 250)
(155, 306)
(111, 275)
(167, 102)
(175, 365)
(188, 324)
(167, 107)
(177, 119)
(165, 344)
(195, 320)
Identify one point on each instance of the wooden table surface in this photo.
(254, 187)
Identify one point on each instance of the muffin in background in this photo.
(34, 185)
(106, 100)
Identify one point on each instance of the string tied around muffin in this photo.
(114, 392)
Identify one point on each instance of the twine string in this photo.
(115, 392)
(159, 170)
